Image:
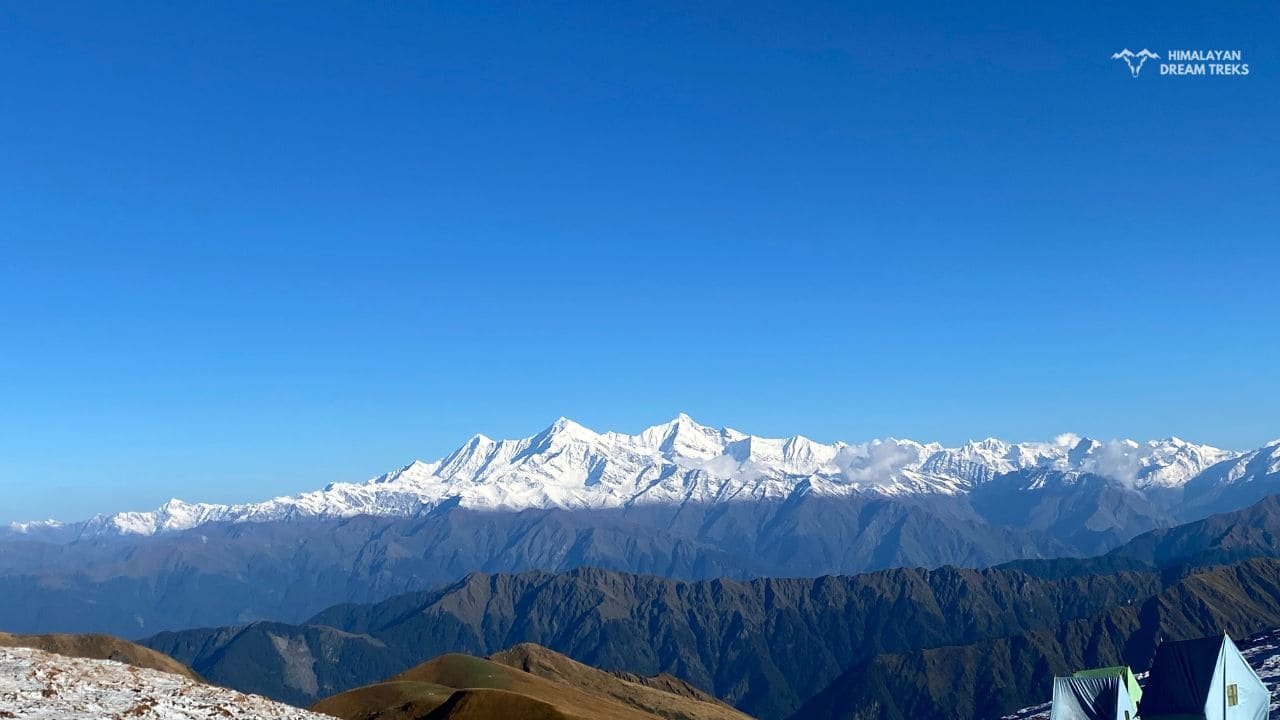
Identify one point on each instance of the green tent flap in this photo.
(1121, 671)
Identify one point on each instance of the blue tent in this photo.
(1205, 679)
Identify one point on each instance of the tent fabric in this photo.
(1091, 698)
(1253, 698)
(1181, 676)
(1199, 679)
(1121, 671)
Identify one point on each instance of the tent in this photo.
(1205, 679)
(1092, 698)
(1121, 671)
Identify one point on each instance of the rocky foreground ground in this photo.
(37, 685)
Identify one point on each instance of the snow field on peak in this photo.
(572, 467)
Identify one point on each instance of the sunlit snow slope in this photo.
(569, 466)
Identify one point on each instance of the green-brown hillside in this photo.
(524, 682)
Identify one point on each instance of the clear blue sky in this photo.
(251, 248)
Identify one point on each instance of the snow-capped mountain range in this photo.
(569, 466)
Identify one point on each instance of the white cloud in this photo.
(1119, 460)
(878, 460)
(1067, 440)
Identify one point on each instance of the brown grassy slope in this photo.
(100, 647)
(662, 695)
(465, 672)
(458, 687)
(391, 700)
(488, 704)
(418, 692)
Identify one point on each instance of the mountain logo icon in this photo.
(1134, 59)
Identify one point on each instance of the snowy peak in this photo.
(564, 431)
(1157, 463)
(1240, 469)
(683, 438)
(976, 462)
(570, 466)
(800, 454)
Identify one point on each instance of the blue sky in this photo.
(252, 248)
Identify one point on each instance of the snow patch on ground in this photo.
(36, 685)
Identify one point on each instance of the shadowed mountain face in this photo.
(1226, 537)
(1219, 539)
(525, 681)
(766, 646)
(1088, 513)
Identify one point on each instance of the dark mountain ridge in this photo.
(764, 645)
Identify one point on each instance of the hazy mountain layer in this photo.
(239, 572)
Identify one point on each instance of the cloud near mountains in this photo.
(1119, 460)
